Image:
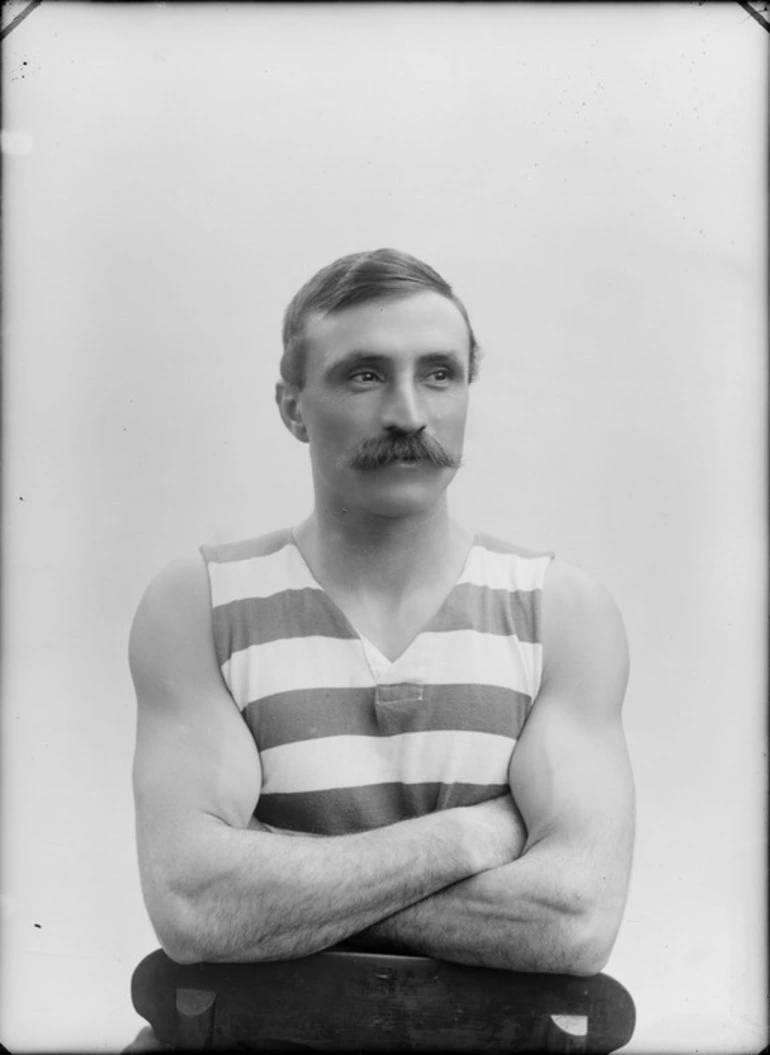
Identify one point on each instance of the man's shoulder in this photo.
(183, 585)
(572, 589)
(175, 598)
(503, 565)
(583, 629)
(568, 586)
(578, 610)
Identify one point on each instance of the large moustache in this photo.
(410, 447)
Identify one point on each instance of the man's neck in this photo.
(389, 557)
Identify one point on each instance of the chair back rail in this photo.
(344, 1001)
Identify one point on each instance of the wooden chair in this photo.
(342, 1000)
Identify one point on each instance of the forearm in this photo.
(519, 917)
(247, 895)
(475, 921)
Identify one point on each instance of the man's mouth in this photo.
(403, 462)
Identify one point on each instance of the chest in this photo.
(392, 628)
(370, 715)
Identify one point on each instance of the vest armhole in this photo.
(219, 629)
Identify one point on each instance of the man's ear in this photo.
(287, 398)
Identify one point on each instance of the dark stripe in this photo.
(496, 545)
(309, 714)
(342, 811)
(309, 612)
(490, 611)
(288, 614)
(261, 546)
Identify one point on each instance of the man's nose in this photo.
(403, 408)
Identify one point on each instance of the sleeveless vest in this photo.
(349, 740)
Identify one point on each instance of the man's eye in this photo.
(442, 374)
(365, 376)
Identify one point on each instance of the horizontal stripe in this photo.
(453, 657)
(283, 569)
(291, 613)
(311, 613)
(311, 714)
(502, 612)
(504, 571)
(464, 656)
(295, 663)
(411, 758)
(340, 811)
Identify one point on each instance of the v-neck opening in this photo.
(366, 643)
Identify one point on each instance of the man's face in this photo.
(391, 371)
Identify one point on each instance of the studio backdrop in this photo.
(591, 179)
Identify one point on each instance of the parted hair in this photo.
(359, 278)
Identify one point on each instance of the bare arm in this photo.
(218, 886)
(558, 906)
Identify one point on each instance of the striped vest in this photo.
(349, 740)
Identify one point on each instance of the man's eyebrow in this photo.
(434, 358)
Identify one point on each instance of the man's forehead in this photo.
(423, 321)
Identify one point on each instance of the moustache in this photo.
(411, 447)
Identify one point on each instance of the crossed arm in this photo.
(558, 905)
(537, 885)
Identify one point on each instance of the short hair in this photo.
(360, 278)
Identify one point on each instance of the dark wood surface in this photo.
(345, 1001)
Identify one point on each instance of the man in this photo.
(380, 726)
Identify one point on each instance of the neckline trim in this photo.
(383, 664)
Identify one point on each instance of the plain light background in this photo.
(592, 181)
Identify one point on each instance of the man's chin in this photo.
(403, 490)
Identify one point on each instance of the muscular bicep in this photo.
(195, 757)
(572, 781)
(570, 773)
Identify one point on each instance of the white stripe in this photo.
(295, 663)
(286, 570)
(468, 657)
(504, 571)
(451, 756)
(259, 576)
(464, 657)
